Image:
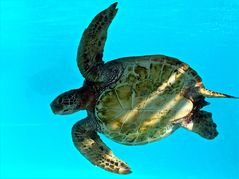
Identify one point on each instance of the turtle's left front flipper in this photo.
(91, 146)
(202, 124)
(91, 47)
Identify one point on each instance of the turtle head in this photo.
(68, 102)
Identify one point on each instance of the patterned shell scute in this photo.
(145, 103)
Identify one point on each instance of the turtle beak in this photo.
(56, 109)
(52, 108)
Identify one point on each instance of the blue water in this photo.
(38, 43)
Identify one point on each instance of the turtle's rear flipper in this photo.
(91, 146)
(202, 124)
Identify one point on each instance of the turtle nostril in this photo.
(60, 100)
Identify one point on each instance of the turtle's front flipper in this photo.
(90, 50)
(91, 146)
(202, 123)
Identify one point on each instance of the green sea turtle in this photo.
(132, 100)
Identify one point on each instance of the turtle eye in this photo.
(66, 102)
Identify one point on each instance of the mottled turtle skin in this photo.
(132, 100)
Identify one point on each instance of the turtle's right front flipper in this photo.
(91, 146)
(91, 47)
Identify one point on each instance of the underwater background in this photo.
(38, 44)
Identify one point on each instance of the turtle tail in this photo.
(212, 94)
